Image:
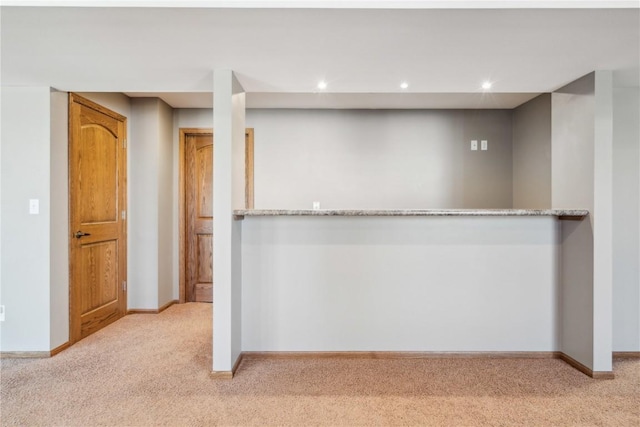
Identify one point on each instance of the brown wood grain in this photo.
(195, 181)
(626, 354)
(60, 348)
(599, 375)
(227, 375)
(399, 355)
(248, 190)
(199, 216)
(97, 196)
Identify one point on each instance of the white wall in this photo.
(381, 158)
(626, 219)
(167, 286)
(25, 265)
(151, 236)
(400, 284)
(603, 223)
(581, 178)
(572, 186)
(59, 220)
(228, 194)
(143, 191)
(376, 158)
(532, 154)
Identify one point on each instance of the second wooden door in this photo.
(199, 217)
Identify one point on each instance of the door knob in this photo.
(79, 234)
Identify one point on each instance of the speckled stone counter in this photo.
(560, 213)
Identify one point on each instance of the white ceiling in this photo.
(280, 53)
(349, 100)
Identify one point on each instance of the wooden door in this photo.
(97, 212)
(199, 216)
(196, 210)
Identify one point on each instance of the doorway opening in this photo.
(196, 210)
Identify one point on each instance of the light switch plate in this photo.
(484, 145)
(34, 206)
(316, 206)
(474, 145)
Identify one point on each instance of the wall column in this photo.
(228, 190)
(582, 177)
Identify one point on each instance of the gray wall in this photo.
(626, 219)
(25, 247)
(532, 154)
(368, 159)
(167, 287)
(374, 158)
(399, 284)
(572, 171)
(581, 177)
(59, 220)
(143, 191)
(228, 187)
(151, 215)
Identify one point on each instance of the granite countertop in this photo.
(560, 213)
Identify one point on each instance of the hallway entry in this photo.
(196, 210)
(97, 217)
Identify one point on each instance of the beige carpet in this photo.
(154, 370)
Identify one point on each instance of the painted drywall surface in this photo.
(59, 220)
(532, 154)
(166, 236)
(603, 223)
(143, 191)
(369, 159)
(229, 124)
(400, 284)
(372, 158)
(626, 214)
(487, 181)
(238, 186)
(572, 168)
(193, 118)
(25, 263)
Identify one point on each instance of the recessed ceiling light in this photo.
(486, 85)
(322, 84)
(404, 85)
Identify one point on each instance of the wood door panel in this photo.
(90, 115)
(97, 202)
(199, 221)
(98, 186)
(99, 275)
(204, 292)
(204, 182)
(98, 319)
(196, 208)
(205, 259)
